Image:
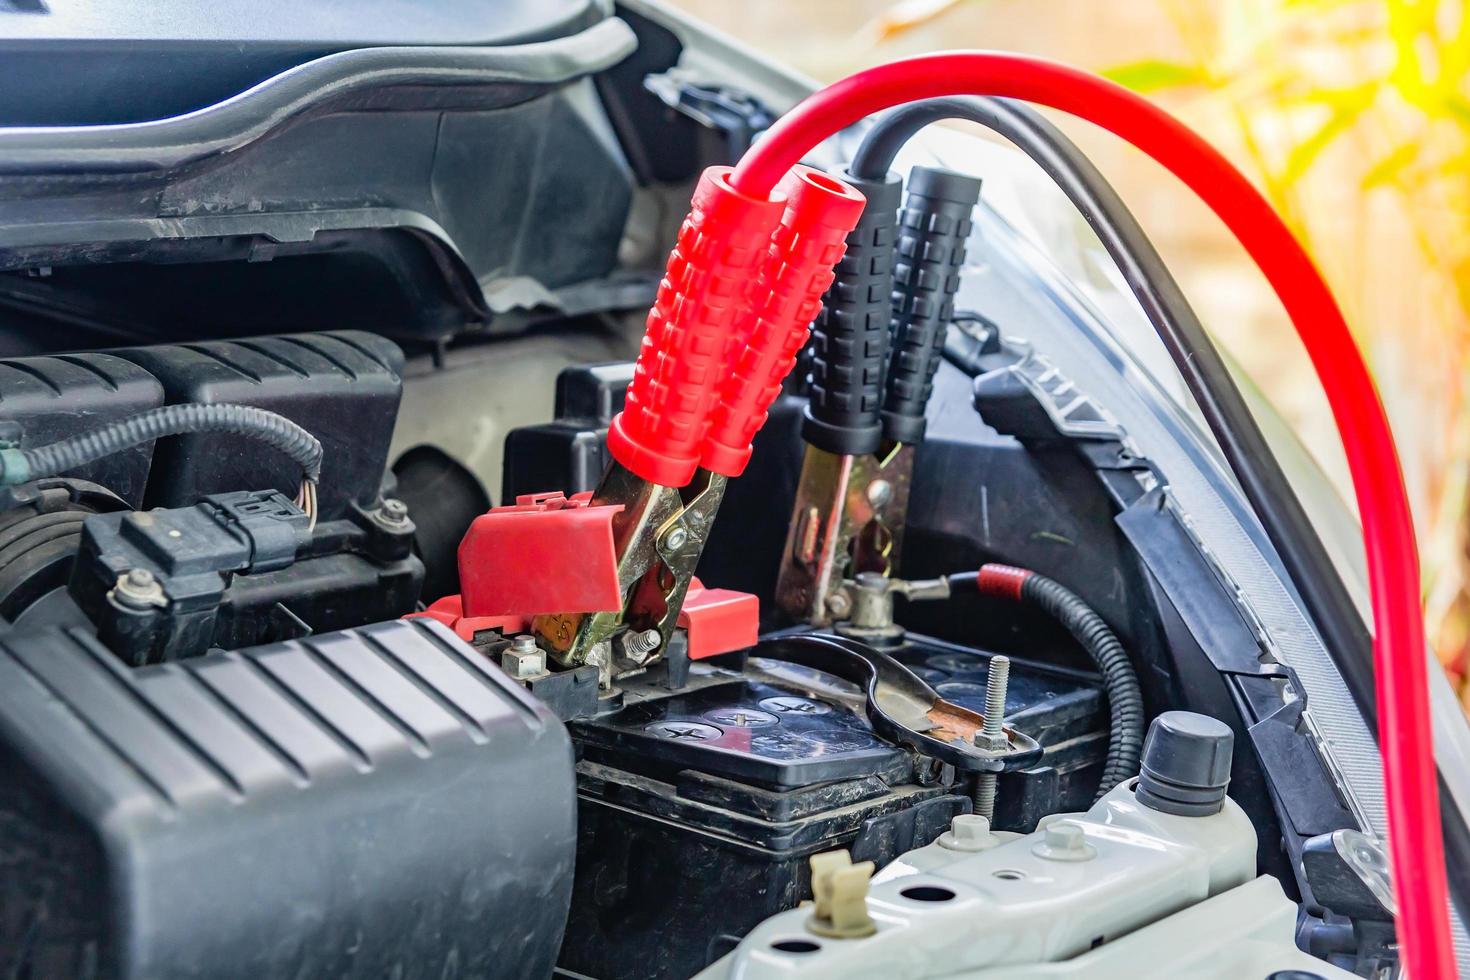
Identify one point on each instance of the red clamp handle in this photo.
(797, 271)
(698, 317)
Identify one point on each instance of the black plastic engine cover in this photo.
(370, 803)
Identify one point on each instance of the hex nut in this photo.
(991, 743)
(523, 659)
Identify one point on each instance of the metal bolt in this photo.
(879, 493)
(638, 645)
(997, 678)
(138, 588)
(992, 733)
(676, 538)
(839, 605)
(393, 511)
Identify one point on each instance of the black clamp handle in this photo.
(935, 223)
(850, 335)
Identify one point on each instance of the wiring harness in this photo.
(277, 431)
(713, 303)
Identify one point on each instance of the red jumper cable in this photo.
(1399, 647)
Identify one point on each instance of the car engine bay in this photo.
(375, 603)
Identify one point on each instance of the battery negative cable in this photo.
(1101, 644)
(1400, 659)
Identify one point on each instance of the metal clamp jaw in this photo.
(847, 521)
(658, 536)
(878, 343)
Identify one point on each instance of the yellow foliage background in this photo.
(1352, 115)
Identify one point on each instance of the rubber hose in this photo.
(277, 431)
(1120, 681)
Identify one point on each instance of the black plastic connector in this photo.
(933, 226)
(238, 569)
(851, 334)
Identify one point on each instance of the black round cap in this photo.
(1186, 764)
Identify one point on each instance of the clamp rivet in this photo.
(879, 493)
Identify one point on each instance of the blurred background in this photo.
(1353, 116)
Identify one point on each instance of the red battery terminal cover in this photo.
(546, 553)
(450, 611)
(719, 620)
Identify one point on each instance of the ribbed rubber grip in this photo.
(850, 335)
(820, 213)
(700, 313)
(932, 228)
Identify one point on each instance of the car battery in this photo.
(730, 785)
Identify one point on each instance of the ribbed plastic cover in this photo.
(375, 802)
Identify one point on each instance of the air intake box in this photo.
(370, 803)
(342, 387)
